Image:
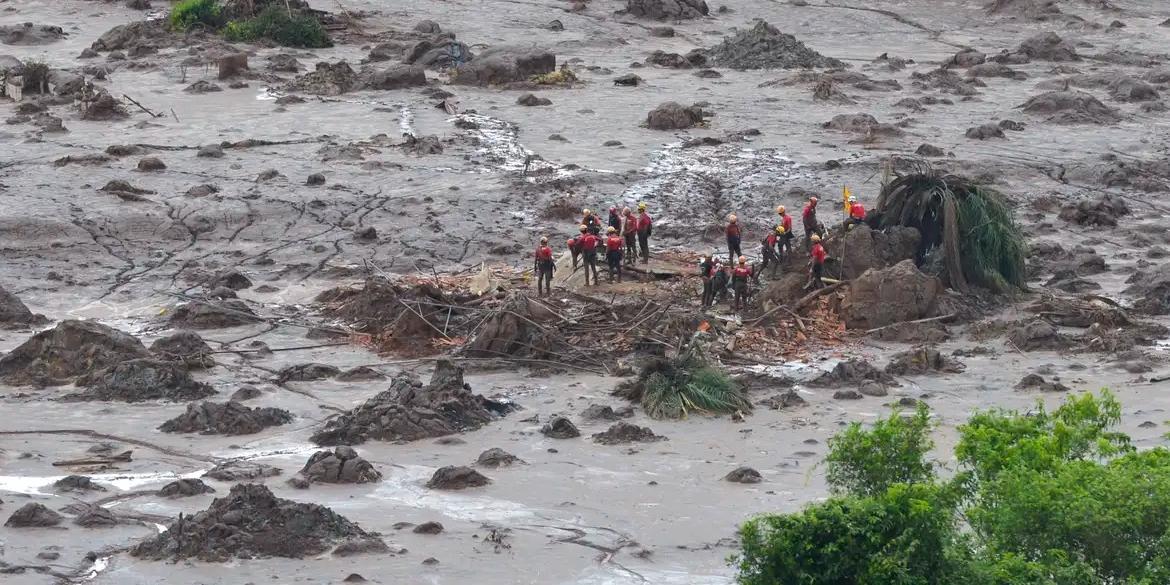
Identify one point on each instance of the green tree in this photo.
(868, 462)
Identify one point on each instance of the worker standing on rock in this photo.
(544, 268)
(856, 213)
(589, 244)
(575, 245)
(786, 223)
(591, 222)
(613, 253)
(811, 225)
(771, 257)
(734, 238)
(739, 282)
(817, 256)
(707, 272)
(615, 220)
(630, 231)
(645, 226)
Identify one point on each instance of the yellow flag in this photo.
(845, 196)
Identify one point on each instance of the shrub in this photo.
(35, 75)
(894, 451)
(276, 24)
(188, 13)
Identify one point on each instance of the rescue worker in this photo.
(589, 244)
(809, 216)
(707, 272)
(771, 257)
(544, 268)
(739, 282)
(817, 256)
(630, 231)
(788, 235)
(734, 237)
(645, 226)
(591, 222)
(613, 253)
(719, 282)
(575, 245)
(856, 213)
(615, 220)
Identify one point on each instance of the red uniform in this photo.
(809, 210)
(631, 226)
(741, 272)
(818, 254)
(771, 240)
(786, 221)
(644, 221)
(544, 254)
(857, 211)
(614, 243)
(589, 243)
(733, 230)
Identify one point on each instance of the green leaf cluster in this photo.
(281, 27)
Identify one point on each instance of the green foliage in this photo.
(993, 247)
(686, 384)
(1041, 498)
(275, 23)
(35, 75)
(894, 451)
(188, 13)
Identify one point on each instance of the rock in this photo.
(662, 32)
(248, 523)
(863, 124)
(504, 65)
(33, 515)
(232, 279)
(48, 555)
(29, 34)
(246, 392)
(930, 151)
(531, 100)
(342, 465)
(150, 164)
(360, 374)
(1102, 211)
(985, 131)
(202, 86)
(555, 26)
(676, 61)
(1048, 47)
(667, 9)
(185, 347)
(361, 546)
(428, 27)
(238, 470)
(744, 475)
(871, 249)
(872, 388)
(673, 116)
(851, 372)
(354, 578)
(1152, 289)
(1038, 335)
(397, 77)
(202, 190)
(1071, 107)
(366, 234)
(1011, 125)
(328, 79)
(104, 109)
(307, 373)
(428, 528)
(601, 412)
(96, 517)
(232, 65)
(496, 457)
(559, 427)
(205, 315)
(1037, 382)
(410, 411)
(628, 80)
(890, 295)
(708, 74)
(77, 483)
(968, 58)
(139, 380)
(438, 53)
(847, 395)
(315, 180)
(283, 63)
(422, 145)
(923, 360)
(210, 151)
(622, 432)
(227, 418)
(14, 313)
(185, 488)
(789, 399)
(71, 349)
(764, 47)
(457, 478)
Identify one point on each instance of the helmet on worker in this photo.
(812, 200)
(743, 259)
(780, 210)
(582, 228)
(641, 207)
(544, 240)
(780, 229)
(732, 218)
(815, 238)
(611, 230)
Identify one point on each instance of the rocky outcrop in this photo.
(457, 478)
(341, 465)
(138, 380)
(33, 515)
(228, 418)
(890, 295)
(674, 116)
(71, 349)
(502, 66)
(185, 347)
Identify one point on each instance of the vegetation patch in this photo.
(289, 29)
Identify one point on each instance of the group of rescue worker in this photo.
(627, 236)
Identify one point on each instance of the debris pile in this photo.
(71, 349)
(764, 47)
(923, 360)
(33, 515)
(410, 411)
(1071, 107)
(138, 380)
(886, 296)
(623, 432)
(851, 372)
(185, 347)
(667, 9)
(249, 523)
(202, 314)
(505, 66)
(227, 418)
(560, 427)
(341, 465)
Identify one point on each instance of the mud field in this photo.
(228, 205)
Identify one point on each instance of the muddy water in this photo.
(577, 512)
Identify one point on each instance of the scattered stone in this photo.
(410, 411)
(989, 130)
(202, 86)
(1038, 335)
(14, 313)
(496, 457)
(930, 150)
(1037, 382)
(890, 295)
(239, 470)
(307, 373)
(765, 47)
(531, 100)
(342, 465)
(457, 478)
(232, 65)
(603, 412)
(1102, 211)
(428, 528)
(851, 372)
(205, 315)
(185, 488)
(789, 399)
(847, 395)
(186, 347)
(283, 63)
(923, 360)
(622, 432)
(1071, 107)
(667, 9)
(227, 418)
(71, 349)
(559, 427)
(628, 80)
(1048, 47)
(744, 475)
(33, 515)
(673, 116)
(360, 374)
(248, 523)
(96, 517)
(504, 65)
(210, 151)
(77, 483)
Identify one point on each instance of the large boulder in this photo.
(862, 248)
(674, 116)
(1152, 290)
(228, 418)
(1048, 47)
(72, 348)
(185, 347)
(14, 313)
(33, 515)
(667, 9)
(341, 465)
(890, 295)
(213, 315)
(441, 52)
(457, 478)
(397, 77)
(504, 65)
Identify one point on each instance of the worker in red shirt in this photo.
(575, 246)
(645, 226)
(739, 282)
(811, 224)
(589, 245)
(544, 267)
(770, 243)
(856, 213)
(613, 253)
(817, 256)
(591, 221)
(630, 232)
(734, 238)
(785, 243)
